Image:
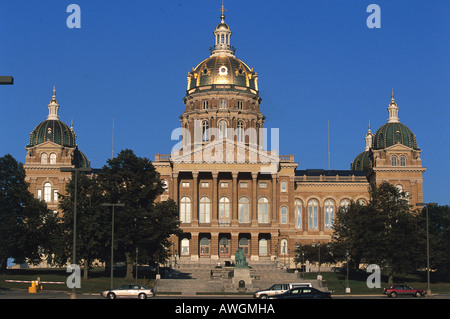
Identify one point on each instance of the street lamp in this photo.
(112, 236)
(428, 245)
(6, 80)
(74, 170)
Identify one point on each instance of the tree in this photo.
(25, 221)
(385, 232)
(93, 222)
(133, 181)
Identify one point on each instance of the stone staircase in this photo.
(192, 277)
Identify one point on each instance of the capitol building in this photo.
(231, 191)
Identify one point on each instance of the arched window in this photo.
(313, 214)
(52, 158)
(185, 246)
(283, 186)
(263, 247)
(263, 210)
(283, 215)
(240, 105)
(224, 247)
(402, 160)
(205, 105)
(44, 158)
(205, 131)
(205, 210)
(240, 131)
(224, 211)
(394, 160)
(47, 192)
(222, 129)
(298, 213)
(243, 210)
(185, 210)
(329, 214)
(284, 246)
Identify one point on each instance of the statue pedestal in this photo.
(242, 279)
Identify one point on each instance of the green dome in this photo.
(55, 131)
(80, 160)
(393, 133)
(219, 70)
(361, 162)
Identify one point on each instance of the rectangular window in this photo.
(224, 185)
(39, 194)
(243, 185)
(55, 195)
(205, 184)
(262, 185)
(185, 184)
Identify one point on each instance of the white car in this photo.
(129, 291)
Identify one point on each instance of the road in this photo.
(23, 294)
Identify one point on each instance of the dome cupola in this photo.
(394, 132)
(53, 129)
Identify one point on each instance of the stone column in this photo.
(175, 187)
(215, 211)
(214, 245)
(274, 200)
(193, 246)
(195, 199)
(234, 200)
(253, 218)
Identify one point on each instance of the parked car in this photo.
(129, 291)
(403, 290)
(278, 289)
(303, 293)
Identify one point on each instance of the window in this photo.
(240, 132)
(263, 247)
(223, 104)
(184, 184)
(284, 246)
(240, 105)
(185, 210)
(204, 184)
(222, 129)
(263, 210)
(283, 186)
(205, 131)
(313, 214)
(205, 210)
(329, 214)
(402, 160)
(204, 246)
(262, 185)
(185, 247)
(52, 158)
(223, 247)
(224, 211)
(345, 203)
(284, 215)
(243, 185)
(165, 185)
(298, 214)
(243, 243)
(47, 192)
(243, 210)
(44, 158)
(55, 195)
(39, 194)
(394, 160)
(205, 104)
(224, 184)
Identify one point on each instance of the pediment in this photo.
(224, 151)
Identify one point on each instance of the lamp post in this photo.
(112, 236)
(75, 171)
(428, 245)
(6, 80)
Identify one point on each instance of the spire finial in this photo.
(222, 16)
(393, 110)
(53, 107)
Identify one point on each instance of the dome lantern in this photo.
(53, 107)
(222, 36)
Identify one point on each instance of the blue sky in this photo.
(317, 61)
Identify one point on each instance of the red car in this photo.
(396, 290)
